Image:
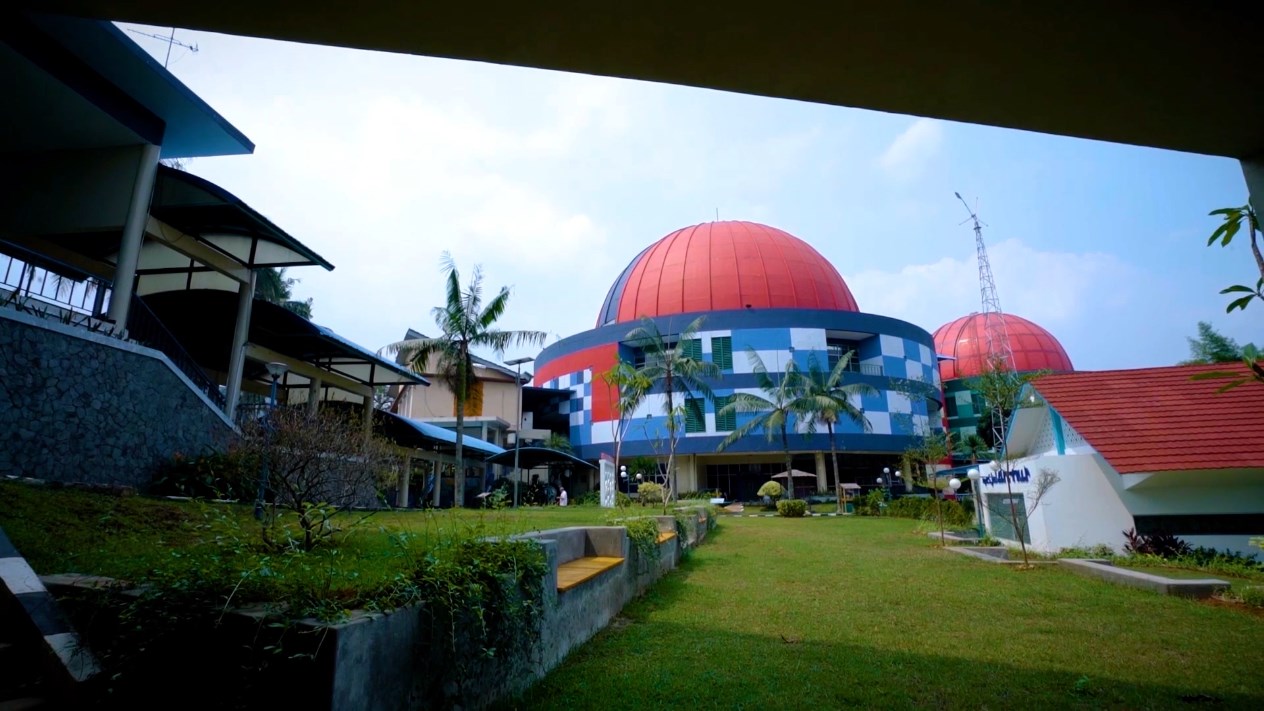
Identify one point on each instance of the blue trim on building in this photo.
(1059, 439)
(745, 320)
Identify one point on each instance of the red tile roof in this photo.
(1157, 419)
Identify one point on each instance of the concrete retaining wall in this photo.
(1183, 587)
(84, 407)
(379, 660)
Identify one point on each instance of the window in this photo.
(724, 422)
(692, 348)
(695, 421)
(1200, 524)
(722, 352)
(838, 349)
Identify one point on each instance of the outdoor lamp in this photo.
(623, 471)
(973, 474)
(954, 484)
(879, 480)
(887, 470)
(275, 371)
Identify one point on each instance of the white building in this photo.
(1147, 449)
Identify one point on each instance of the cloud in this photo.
(1084, 299)
(909, 153)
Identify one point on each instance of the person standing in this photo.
(561, 498)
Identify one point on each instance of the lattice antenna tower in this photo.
(995, 332)
(170, 41)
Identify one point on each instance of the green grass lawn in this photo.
(71, 531)
(828, 613)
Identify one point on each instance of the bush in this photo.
(1163, 545)
(593, 498)
(1252, 595)
(871, 504)
(1101, 550)
(650, 493)
(771, 489)
(703, 495)
(792, 508)
(215, 475)
(956, 514)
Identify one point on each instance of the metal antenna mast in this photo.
(170, 41)
(995, 333)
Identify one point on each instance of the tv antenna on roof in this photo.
(169, 40)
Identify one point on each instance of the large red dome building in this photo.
(721, 266)
(964, 342)
(757, 289)
(963, 349)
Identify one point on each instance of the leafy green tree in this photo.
(1212, 347)
(465, 323)
(672, 368)
(628, 387)
(921, 459)
(1234, 219)
(783, 398)
(827, 399)
(272, 286)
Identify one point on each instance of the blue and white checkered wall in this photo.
(889, 412)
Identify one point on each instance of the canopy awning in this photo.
(202, 321)
(416, 434)
(532, 457)
(199, 207)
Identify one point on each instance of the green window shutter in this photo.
(692, 348)
(722, 352)
(695, 421)
(726, 422)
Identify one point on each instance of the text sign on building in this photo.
(1021, 476)
(607, 482)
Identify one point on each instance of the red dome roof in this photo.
(964, 339)
(718, 266)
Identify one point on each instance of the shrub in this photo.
(1101, 550)
(1252, 595)
(703, 495)
(771, 489)
(232, 474)
(650, 493)
(871, 504)
(1163, 545)
(792, 508)
(318, 465)
(593, 498)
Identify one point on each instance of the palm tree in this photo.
(274, 287)
(784, 398)
(464, 324)
(630, 386)
(825, 398)
(975, 447)
(668, 361)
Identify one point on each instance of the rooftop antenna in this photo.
(717, 214)
(170, 41)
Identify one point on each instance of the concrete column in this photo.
(401, 499)
(1253, 171)
(313, 396)
(368, 417)
(821, 483)
(133, 235)
(438, 478)
(237, 356)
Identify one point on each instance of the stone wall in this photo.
(77, 406)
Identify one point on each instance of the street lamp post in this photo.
(973, 474)
(275, 371)
(518, 427)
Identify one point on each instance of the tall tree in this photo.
(272, 286)
(974, 447)
(465, 323)
(827, 399)
(1212, 347)
(1234, 219)
(674, 367)
(783, 398)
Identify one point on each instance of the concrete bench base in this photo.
(665, 536)
(1195, 588)
(581, 570)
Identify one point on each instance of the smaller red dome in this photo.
(965, 340)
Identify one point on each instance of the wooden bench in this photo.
(666, 536)
(581, 570)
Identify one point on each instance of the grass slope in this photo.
(832, 613)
